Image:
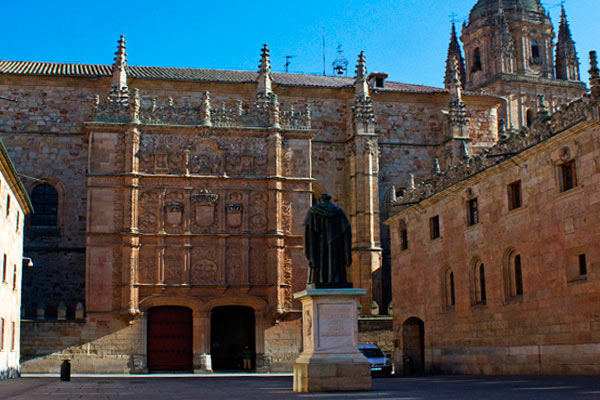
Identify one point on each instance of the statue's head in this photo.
(324, 197)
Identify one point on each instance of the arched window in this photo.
(478, 289)
(44, 199)
(448, 290)
(529, 118)
(513, 275)
(535, 49)
(476, 60)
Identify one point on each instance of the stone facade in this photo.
(14, 205)
(187, 187)
(505, 281)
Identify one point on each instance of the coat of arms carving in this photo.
(204, 207)
(174, 211)
(234, 215)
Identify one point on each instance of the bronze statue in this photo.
(327, 245)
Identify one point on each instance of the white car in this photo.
(380, 363)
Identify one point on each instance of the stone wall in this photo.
(553, 326)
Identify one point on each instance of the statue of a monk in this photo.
(327, 245)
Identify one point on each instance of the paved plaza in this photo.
(233, 386)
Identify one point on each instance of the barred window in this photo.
(45, 204)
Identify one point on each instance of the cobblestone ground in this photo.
(279, 387)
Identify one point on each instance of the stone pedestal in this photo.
(330, 361)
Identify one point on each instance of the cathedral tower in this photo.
(509, 52)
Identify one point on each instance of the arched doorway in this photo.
(231, 329)
(413, 338)
(170, 339)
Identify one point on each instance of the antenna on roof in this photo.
(453, 17)
(340, 64)
(323, 37)
(288, 62)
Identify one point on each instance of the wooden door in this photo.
(170, 339)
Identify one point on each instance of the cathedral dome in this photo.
(487, 7)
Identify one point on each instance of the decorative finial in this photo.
(264, 72)
(205, 109)
(454, 52)
(594, 76)
(436, 166)
(411, 182)
(119, 92)
(465, 152)
(360, 81)
(542, 106)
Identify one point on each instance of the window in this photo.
(568, 177)
(513, 275)
(4, 268)
(518, 276)
(12, 338)
(482, 293)
(404, 239)
(434, 227)
(476, 60)
(7, 204)
(448, 292)
(582, 265)
(15, 277)
(535, 49)
(529, 118)
(472, 212)
(514, 195)
(17, 224)
(478, 289)
(45, 203)
(1, 334)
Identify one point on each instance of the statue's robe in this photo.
(327, 245)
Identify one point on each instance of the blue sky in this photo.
(406, 38)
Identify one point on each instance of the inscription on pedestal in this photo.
(335, 330)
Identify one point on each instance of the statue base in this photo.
(346, 285)
(331, 361)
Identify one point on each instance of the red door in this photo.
(170, 339)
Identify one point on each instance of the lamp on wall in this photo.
(29, 261)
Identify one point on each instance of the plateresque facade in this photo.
(171, 197)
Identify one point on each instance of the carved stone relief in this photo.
(149, 212)
(147, 265)
(204, 265)
(258, 211)
(286, 217)
(174, 207)
(174, 265)
(204, 203)
(234, 265)
(211, 155)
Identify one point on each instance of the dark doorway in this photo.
(231, 329)
(413, 337)
(170, 339)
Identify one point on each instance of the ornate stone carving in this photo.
(204, 203)
(233, 266)
(285, 284)
(286, 217)
(204, 271)
(263, 112)
(258, 211)
(234, 215)
(211, 155)
(204, 265)
(149, 210)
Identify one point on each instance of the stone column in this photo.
(202, 360)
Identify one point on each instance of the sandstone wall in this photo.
(554, 326)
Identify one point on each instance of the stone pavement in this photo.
(239, 386)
